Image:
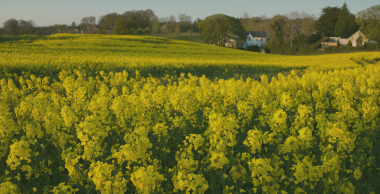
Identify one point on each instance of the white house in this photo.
(344, 41)
(258, 38)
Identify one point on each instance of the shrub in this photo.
(341, 49)
(254, 48)
(330, 49)
(349, 45)
(311, 49)
(370, 46)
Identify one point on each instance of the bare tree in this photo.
(172, 19)
(84, 21)
(183, 18)
(293, 24)
(100, 20)
(29, 27)
(163, 19)
(88, 21)
(307, 24)
(92, 20)
(245, 16)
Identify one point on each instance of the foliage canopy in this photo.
(345, 26)
(220, 29)
(326, 23)
(369, 22)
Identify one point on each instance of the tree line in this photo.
(295, 33)
(132, 22)
(302, 33)
(288, 34)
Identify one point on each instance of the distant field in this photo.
(195, 37)
(155, 56)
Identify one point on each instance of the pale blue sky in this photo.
(50, 12)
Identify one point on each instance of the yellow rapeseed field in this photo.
(132, 114)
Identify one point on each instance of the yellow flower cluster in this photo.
(147, 180)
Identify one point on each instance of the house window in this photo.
(249, 38)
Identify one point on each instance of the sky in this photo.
(50, 12)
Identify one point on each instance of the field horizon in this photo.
(156, 56)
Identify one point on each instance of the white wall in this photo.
(343, 41)
(355, 36)
(251, 41)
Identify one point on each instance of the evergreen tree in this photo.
(345, 26)
(349, 45)
(326, 23)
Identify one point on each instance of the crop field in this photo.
(194, 37)
(137, 114)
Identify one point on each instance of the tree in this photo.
(108, 21)
(293, 24)
(177, 30)
(86, 24)
(163, 20)
(307, 23)
(219, 29)
(60, 27)
(345, 26)
(183, 18)
(247, 22)
(250, 25)
(147, 19)
(349, 45)
(88, 21)
(72, 27)
(278, 29)
(21, 31)
(326, 23)
(165, 28)
(156, 27)
(125, 27)
(11, 27)
(369, 22)
(92, 20)
(21, 24)
(359, 41)
(172, 19)
(29, 27)
(143, 19)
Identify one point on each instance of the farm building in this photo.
(334, 41)
(258, 38)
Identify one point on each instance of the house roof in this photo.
(256, 33)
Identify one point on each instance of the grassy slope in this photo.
(195, 37)
(155, 56)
